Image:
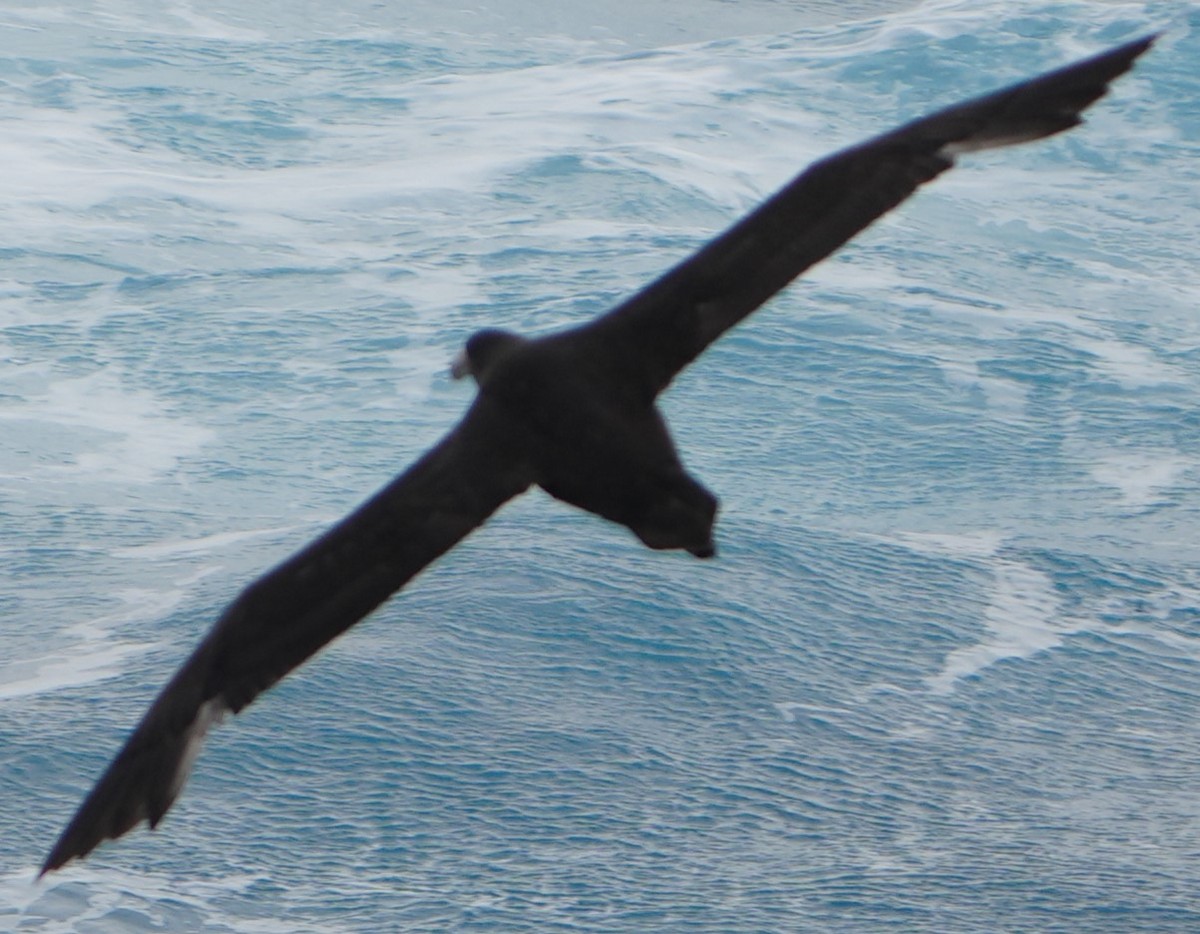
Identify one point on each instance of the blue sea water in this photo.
(943, 676)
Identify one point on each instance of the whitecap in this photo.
(1023, 617)
(1143, 477)
(119, 434)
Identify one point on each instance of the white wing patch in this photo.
(210, 714)
(985, 140)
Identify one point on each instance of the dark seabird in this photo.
(571, 412)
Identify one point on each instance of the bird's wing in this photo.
(285, 616)
(648, 339)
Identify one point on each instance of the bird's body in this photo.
(590, 441)
(574, 413)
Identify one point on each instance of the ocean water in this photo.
(944, 675)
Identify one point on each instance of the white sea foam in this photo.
(205, 544)
(1131, 365)
(977, 544)
(122, 900)
(88, 650)
(1178, 644)
(1143, 476)
(67, 667)
(1023, 617)
(119, 434)
(1005, 397)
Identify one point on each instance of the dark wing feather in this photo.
(285, 616)
(648, 339)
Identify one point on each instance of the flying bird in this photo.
(571, 412)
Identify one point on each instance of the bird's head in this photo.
(481, 352)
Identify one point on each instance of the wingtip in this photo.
(59, 856)
(68, 847)
(1129, 52)
(49, 866)
(140, 784)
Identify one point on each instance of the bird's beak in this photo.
(461, 366)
